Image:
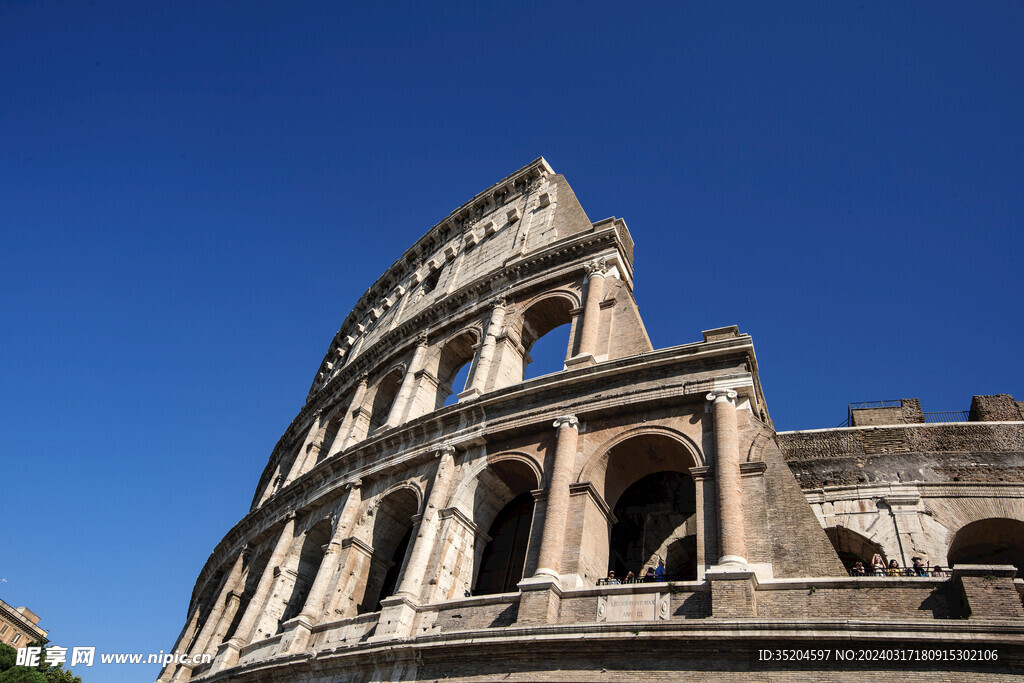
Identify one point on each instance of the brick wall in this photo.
(469, 617)
(924, 600)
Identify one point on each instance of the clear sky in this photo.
(193, 196)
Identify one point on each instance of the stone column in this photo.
(592, 309)
(550, 560)
(297, 637)
(398, 612)
(398, 409)
(349, 423)
(423, 545)
(478, 385)
(309, 451)
(732, 545)
(227, 654)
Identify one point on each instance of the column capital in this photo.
(421, 339)
(597, 267)
(354, 484)
(717, 395)
(567, 420)
(443, 450)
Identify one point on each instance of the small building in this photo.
(19, 626)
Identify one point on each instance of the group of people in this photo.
(880, 568)
(651, 574)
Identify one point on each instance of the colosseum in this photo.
(633, 516)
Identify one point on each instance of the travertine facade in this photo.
(394, 537)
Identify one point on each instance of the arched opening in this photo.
(656, 522)
(647, 484)
(459, 384)
(383, 398)
(330, 435)
(453, 362)
(989, 541)
(430, 284)
(504, 558)
(504, 503)
(541, 320)
(853, 547)
(392, 532)
(207, 601)
(310, 557)
(253, 574)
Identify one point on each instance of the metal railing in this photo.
(642, 579)
(923, 572)
(929, 418)
(948, 416)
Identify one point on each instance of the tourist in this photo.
(937, 570)
(877, 565)
(649, 574)
(858, 568)
(611, 580)
(659, 573)
(894, 568)
(919, 567)
(630, 577)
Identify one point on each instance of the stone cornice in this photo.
(587, 488)
(461, 517)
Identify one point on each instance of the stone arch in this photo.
(643, 477)
(523, 459)
(542, 315)
(456, 351)
(996, 540)
(311, 554)
(853, 547)
(596, 466)
(503, 505)
(255, 564)
(394, 515)
(381, 397)
(206, 602)
(757, 447)
(332, 430)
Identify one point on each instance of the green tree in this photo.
(8, 655)
(47, 672)
(22, 674)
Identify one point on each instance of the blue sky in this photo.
(193, 196)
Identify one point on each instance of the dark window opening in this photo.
(656, 521)
(430, 284)
(504, 558)
(390, 583)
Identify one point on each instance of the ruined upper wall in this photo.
(520, 215)
(893, 445)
